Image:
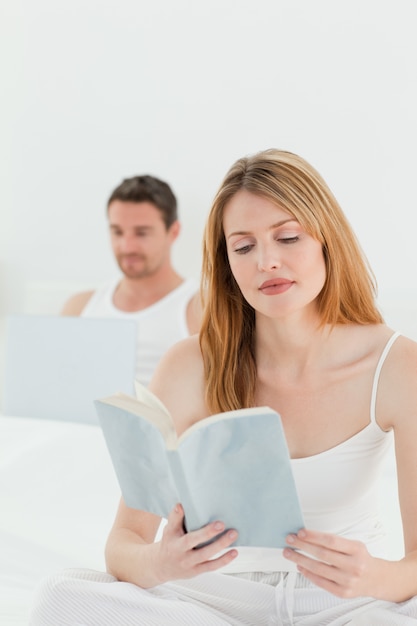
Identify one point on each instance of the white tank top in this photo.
(338, 491)
(159, 326)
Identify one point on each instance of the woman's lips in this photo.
(275, 286)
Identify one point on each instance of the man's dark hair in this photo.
(148, 189)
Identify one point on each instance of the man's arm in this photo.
(76, 303)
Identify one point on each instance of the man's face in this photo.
(140, 240)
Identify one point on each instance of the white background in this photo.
(94, 91)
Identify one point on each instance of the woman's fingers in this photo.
(334, 563)
(199, 551)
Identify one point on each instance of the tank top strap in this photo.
(378, 369)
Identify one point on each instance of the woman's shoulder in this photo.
(178, 382)
(402, 361)
(186, 351)
(402, 350)
(397, 389)
(373, 345)
(375, 337)
(181, 361)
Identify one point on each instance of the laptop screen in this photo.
(55, 367)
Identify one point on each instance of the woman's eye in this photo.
(288, 239)
(243, 249)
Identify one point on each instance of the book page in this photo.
(147, 397)
(152, 413)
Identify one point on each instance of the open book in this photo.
(233, 466)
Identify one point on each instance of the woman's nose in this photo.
(269, 259)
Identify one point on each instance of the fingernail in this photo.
(290, 539)
(302, 534)
(218, 526)
(232, 534)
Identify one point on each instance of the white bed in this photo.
(58, 497)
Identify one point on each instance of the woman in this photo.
(290, 322)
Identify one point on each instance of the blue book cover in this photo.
(234, 467)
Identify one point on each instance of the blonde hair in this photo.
(228, 328)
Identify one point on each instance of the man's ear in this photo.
(174, 230)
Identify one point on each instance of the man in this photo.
(143, 222)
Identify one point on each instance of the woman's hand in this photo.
(178, 555)
(341, 566)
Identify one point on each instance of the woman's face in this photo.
(279, 268)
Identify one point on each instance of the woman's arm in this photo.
(131, 554)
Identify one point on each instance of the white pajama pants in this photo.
(88, 598)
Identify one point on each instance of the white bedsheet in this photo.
(58, 498)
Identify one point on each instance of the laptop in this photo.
(56, 366)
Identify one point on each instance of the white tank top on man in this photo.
(160, 325)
